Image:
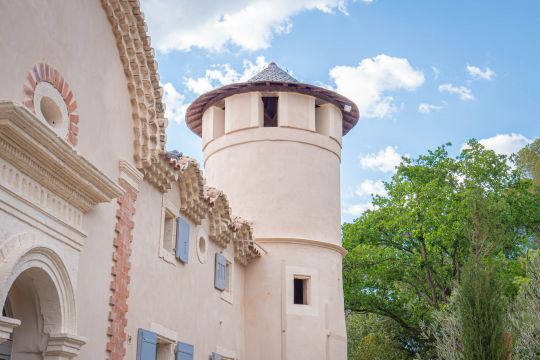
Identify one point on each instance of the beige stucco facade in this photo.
(106, 238)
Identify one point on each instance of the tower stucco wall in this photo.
(286, 180)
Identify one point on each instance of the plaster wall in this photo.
(286, 181)
(243, 111)
(328, 121)
(296, 110)
(181, 297)
(213, 123)
(285, 325)
(75, 37)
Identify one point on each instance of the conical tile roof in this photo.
(273, 73)
(272, 79)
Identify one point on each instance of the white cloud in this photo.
(478, 74)
(384, 160)
(370, 187)
(505, 144)
(367, 1)
(209, 24)
(464, 93)
(368, 83)
(427, 108)
(223, 74)
(175, 105)
(357, 209)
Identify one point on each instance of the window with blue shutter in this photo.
(215, 356)
(184, 351)
(182, 240)
(146, 345)
(220, 276)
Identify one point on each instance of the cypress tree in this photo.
(481, 312)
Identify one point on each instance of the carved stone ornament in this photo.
(44, 169)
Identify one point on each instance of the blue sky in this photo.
(422, 72)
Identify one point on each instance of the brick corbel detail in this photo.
(129, 180)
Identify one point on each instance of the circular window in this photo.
(202, 245)
(51, 108)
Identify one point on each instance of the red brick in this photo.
(72, 107)
(31, 81)
(60, 83)
(42, 72)
(65, 89)
(68, 97)
(35, 70)
(47, 75)
(120, 274)
(29, 104)
(28, 92)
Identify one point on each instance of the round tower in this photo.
(273, 145)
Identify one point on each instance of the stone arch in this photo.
(26, 255)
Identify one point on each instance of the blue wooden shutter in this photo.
(220, 276)
(215, 356)
(146, 345)
(182, 240)
(184, 351)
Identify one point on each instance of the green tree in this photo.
(406, 254)
(528, 160)
(373, 337)
(481, 309)
(525, 315)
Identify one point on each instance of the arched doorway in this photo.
(33, 299)
(38, 300)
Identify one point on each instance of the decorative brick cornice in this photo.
(140, 68)
(161, 174)
(191, 188)
(245, 250)
(219, 217)
(116, 346)
(45, 73)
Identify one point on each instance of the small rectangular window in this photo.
(270, 104)
(301, 290)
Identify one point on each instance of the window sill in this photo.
(167, 256)
(227, 296)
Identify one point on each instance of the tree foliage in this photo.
(372, 337)
(525, 315)
(481, 310)
(406, 254)
(528, 160)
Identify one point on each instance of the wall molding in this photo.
(337, 248)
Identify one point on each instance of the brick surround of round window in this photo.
(49, 97)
